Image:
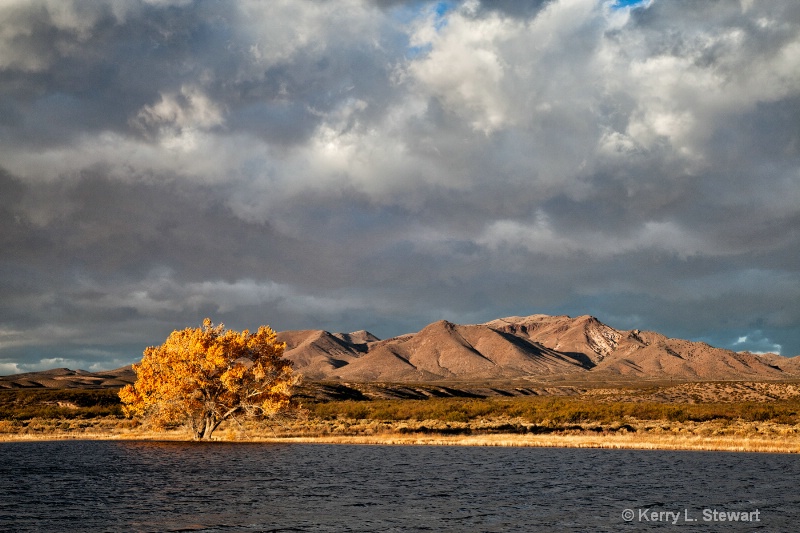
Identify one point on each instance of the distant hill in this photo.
(64, 378)
(536, 347)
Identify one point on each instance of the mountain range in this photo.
(537, 348)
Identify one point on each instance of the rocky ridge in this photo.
(535, 348)
(531, 347)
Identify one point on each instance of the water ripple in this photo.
(226, 487)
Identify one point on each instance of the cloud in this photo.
(463, 67)
(757, 343)
(540, 237)
(380, 164)
(176, 112)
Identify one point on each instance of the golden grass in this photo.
(740, 436)
(696, 416)
(638, 442)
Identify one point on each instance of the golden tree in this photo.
(202, 376)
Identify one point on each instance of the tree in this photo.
(203, 376)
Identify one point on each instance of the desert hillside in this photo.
(64, 378)
(536, 348)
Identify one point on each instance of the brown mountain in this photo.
(640, 353)
(447, 351)
(536, 346)
(790, 365)
(64, 378)
(319, 353)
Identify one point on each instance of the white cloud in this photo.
(71, 23)
(10, 368)
(757, 343)
(708, 73)
(541, 237)
(464, 67)
(177, 112)
(274, 33)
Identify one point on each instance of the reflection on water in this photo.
(166, 486)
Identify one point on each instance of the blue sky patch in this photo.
(620, 4)
(439, 10)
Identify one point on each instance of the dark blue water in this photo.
(163, 486)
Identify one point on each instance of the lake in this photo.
(226, 487)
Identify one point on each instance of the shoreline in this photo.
(618, 441)
(558, 441)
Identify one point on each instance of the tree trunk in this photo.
(210, 426)
(211, 422)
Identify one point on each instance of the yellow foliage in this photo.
(202, 376)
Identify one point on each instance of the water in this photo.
(167, 486)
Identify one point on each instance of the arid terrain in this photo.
(521, 381)
(732, 416)
(525, 352)
(721, 415)
(533, 348)
(64, 378)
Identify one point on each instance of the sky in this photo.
(383, 164)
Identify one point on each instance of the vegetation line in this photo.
(629, 441)
(636, 418)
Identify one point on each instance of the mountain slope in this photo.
(638, 354)
(64, 378)
(447, 351)
(319, 353)
(539, 347)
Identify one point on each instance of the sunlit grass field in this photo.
(621, 419)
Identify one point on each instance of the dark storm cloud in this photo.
(385, 164)
(87, 67)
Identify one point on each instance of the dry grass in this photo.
(693, 416)
(639, 442)
(637, 434)
(646, 435)
(560, 410)
(26, 404)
